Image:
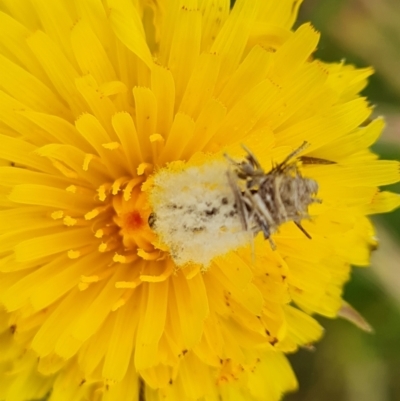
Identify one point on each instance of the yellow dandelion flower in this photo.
(140, 257)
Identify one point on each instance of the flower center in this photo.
(121, 223)
(133, 220)
(131, 216)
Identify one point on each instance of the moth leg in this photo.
(267, 234)
(295, 152)
(272, 244)
(238, 200)
(301, 228)
(252, 159)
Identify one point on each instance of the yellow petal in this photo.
(46, 245)
(214, 14)
(185, 46)
(383, 202)
(29, 90)
(95, 62)
(58, 68)
(232, 38)
(119, 353)
(127, 26)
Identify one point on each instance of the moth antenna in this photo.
(315, 160)
(227, 157)
(251, 157)
(301, 228)
(304, 145)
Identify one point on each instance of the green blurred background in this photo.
(349, 364)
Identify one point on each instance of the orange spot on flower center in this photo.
(133, 220)
(131, 216)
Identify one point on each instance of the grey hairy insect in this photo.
(266, 200)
